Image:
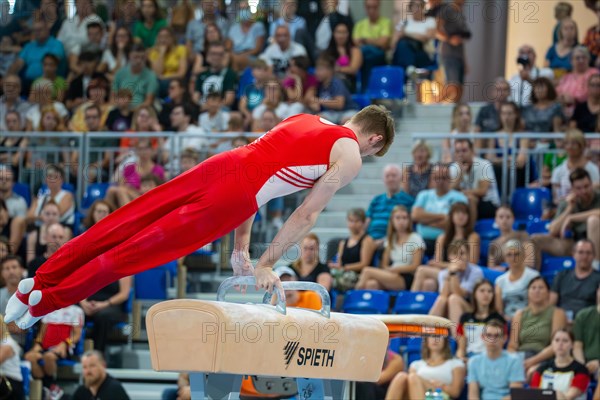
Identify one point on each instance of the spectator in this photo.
(97, 94)
(462, 122)
(348, 57)
(217, 78)
(532, 326)
(372, 35)
(37, 240)
(471, 327)
(97, 211)
(214, 119)
(178, 94)
(95, 44)
(50, 121)
(11, 100)
(183, 390)
(273, 101)
(577, 213)
(431, 208)
(544, 114)
(268, 121)
(189, 159)
(247, 38)
(50, 12)
(413, 38)
(16, 204)
(12, 270)
(476, 180)
(57, 236)
(295, 298)
(54, 179)
(50, 67)
(504, 221)
(300, 84)
(417, 177)
(16, 146)
(402, 255)
(279, 53)
(521, 83)
(488, 117)
(12, 228)
(9, 52)
(97, 383)
(137, 77)
(585, 115)
(253, 95)
(289, 18)
(144, 120)
(558, 56)
(212, 34)
(592, 39)
(4, 251)
(452, 31)
(119, 52)
(562, 11)
(124, 15)
(73, 32)
(573, 87)
(41, 98)
(494, 372)
(379, 211)
(552, 373)
(308, 266)
(456, 283)
(333, 100)
(119, 119)
(324, 29)
(10, 363)
(197, 29)
(574, 289)
(436, 369)
(511, 286)
(587, 340)
(393, 364)
(168, 59)
(189, 135)
(151, 22)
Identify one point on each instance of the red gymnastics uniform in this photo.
(184, 214)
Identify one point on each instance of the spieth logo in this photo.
(308, 356)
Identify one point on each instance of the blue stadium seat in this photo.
(26, 373)
(386, 82)
(529, 203)
(414, 302)
(366, 302)
(395, 344)
(22, 189)
(153, 283)
(487, 229)
(551, 266)
(538, 226)
(362, 100)
(413, 350)
(490, 274)
(94, 191)
(65, 186)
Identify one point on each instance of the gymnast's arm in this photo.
(240, 257)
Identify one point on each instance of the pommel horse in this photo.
(218, 343)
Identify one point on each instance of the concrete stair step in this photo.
(363, 186)
(344, 202)
(332, 219)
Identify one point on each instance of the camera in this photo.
(523, 60)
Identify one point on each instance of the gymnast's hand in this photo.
(267, 279)
(241, 264)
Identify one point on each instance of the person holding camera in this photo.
(521, 83)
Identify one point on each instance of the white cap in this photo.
(280, 271)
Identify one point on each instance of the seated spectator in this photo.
(95, 44)
(532, 327)
(12, 270)
(308, 266)
(57, 236)
(214, 119)
(50, 72)
(253, 95)
(128, 185)
(488, 117)
(137, 77)
(494, 372)
(592, 38)
(151, 22)
(333, 100)
(120, 118)
(37, 240)
(432, 207)
(77, 92)
(521, 83)
(212, 34)
(144, 119)
(73, 32)
(585, 115)
(573, 86)
(272, 100)
(511, 286)
(413, 38)
(380, 208)
(563, 374)
(198, 31)
(11, 101)
(97, 383)
(9, 52)
(505, 219)
(292, 103)
(562, 11)
(476, 180)
(97, 94)
(178, 93)
(587, 342)
(59, 333)
(189, 159)
(575, 146)
(10, 363)
(471, 327)
(558, 56)
(348, 57)
(354, 253)
(54, 179)
(574, 289)
(16, 204)
(279, 53)
(372, 35)
(288, 17)
(189, 135)
(544, 114)
(50, 121)
(4, 251)
(217, 77)
(118, 52)
(299, 81)
(437, 369)
(168, 59)
(417, 177)
(458, 227)
(578, 213)
(247, 38)
(462, 122)
(297, 298)
(97, 211)
(40, 98)
(456, 283)
(402, 255)
(13, 229)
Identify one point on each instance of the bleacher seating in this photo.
(551, 266)
(490, 274)
(366, 302)
(538, 226)
(414, 302)
(529, 203)
(386, 82)
(22, 189)
(94, 191)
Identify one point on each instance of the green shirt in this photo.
(586, 328)
(58, 85)
(148, 35)
(364, 29)
(142, 84)
(536, 330)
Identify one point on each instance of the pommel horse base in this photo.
(218, 343)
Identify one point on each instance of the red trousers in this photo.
(169, 222)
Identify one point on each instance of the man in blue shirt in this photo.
(378, 213)
(493, 373)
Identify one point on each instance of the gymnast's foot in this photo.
(27, 320)
(18, 304)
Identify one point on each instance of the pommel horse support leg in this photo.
(215, 337)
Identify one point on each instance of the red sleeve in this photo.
(536, 380)
(581, 381)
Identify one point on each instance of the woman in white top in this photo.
(402, 255)
(462, 122)
(10, 364)
(413, 38)
(66, 202)
(437, 369)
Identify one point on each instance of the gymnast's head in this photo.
(374, 127)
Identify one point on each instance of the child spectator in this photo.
(119, 119)
(214, 119)
(50, 71)
(255, 93)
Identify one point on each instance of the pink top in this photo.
(133, 178)
(576, 85)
